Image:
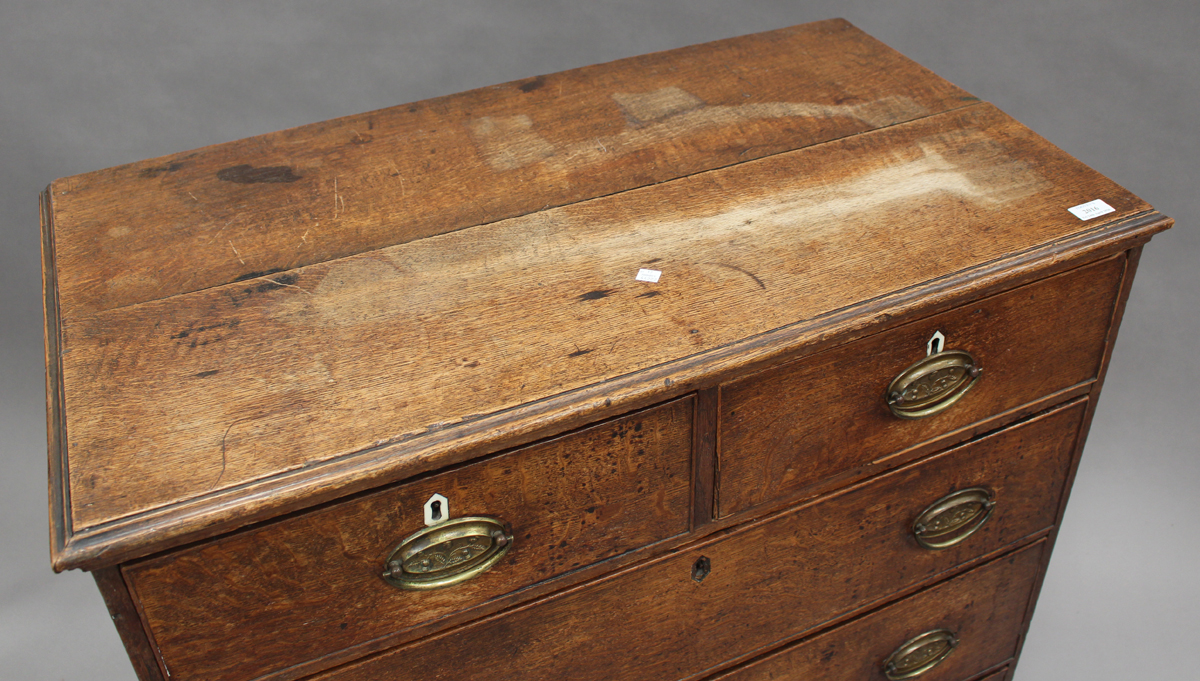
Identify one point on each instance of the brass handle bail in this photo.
(918, 655)
(932, 384)
(953, 518)
(448, 553)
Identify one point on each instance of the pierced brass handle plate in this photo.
(447, 553)
(953, 518)
(933, 384)
(920, 654)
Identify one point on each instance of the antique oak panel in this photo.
(769, 582)
(791, 427)
(327, 190)
(186, 396)
(987, 629)
(310, 585)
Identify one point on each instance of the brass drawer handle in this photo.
(918, 655)
(447, 553)
(953, 518)
(933, 384)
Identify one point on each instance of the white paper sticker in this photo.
(1091, 209)
(648, 275)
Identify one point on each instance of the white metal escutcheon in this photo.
(437, 510)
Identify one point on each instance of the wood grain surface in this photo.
(271, 203)
(177, 398)
(769, 582)
(310, 585)
(983, 608)
(791, 427)
(128, 621)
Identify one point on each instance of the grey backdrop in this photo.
(86, 85)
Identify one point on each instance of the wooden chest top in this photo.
(262, 326)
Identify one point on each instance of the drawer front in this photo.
(825, 416)
(983, 610)
(745, 593)
(311, 585)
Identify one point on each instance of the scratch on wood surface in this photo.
(280, 283)
(336, 198)
(235, 250)
(396, 174)
(224, 457)
(221, 229)
(745, 272)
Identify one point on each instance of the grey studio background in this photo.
(87, 85)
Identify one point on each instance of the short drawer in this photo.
(311, 585)
(760, 586)
(826, 416)
(956, 630)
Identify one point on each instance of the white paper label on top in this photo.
(1091, 209)
(648, 275)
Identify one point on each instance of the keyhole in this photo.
(437, 509)
(935, 343)
(701, 568)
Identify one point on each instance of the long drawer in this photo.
(953, 631)
(310, 586)
(746, 592)
(827, 416)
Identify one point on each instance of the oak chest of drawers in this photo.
(767, 358)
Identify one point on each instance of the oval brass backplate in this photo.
(447, 553)
(953, 518)
(933, 384)
(920, 654)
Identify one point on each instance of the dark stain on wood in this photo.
(533, 84)
(206, 374)
(579, 353)
(745, 272)
(248, 174)
(649, 294)
(231, 324)
(597, 294)
(155, 171)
